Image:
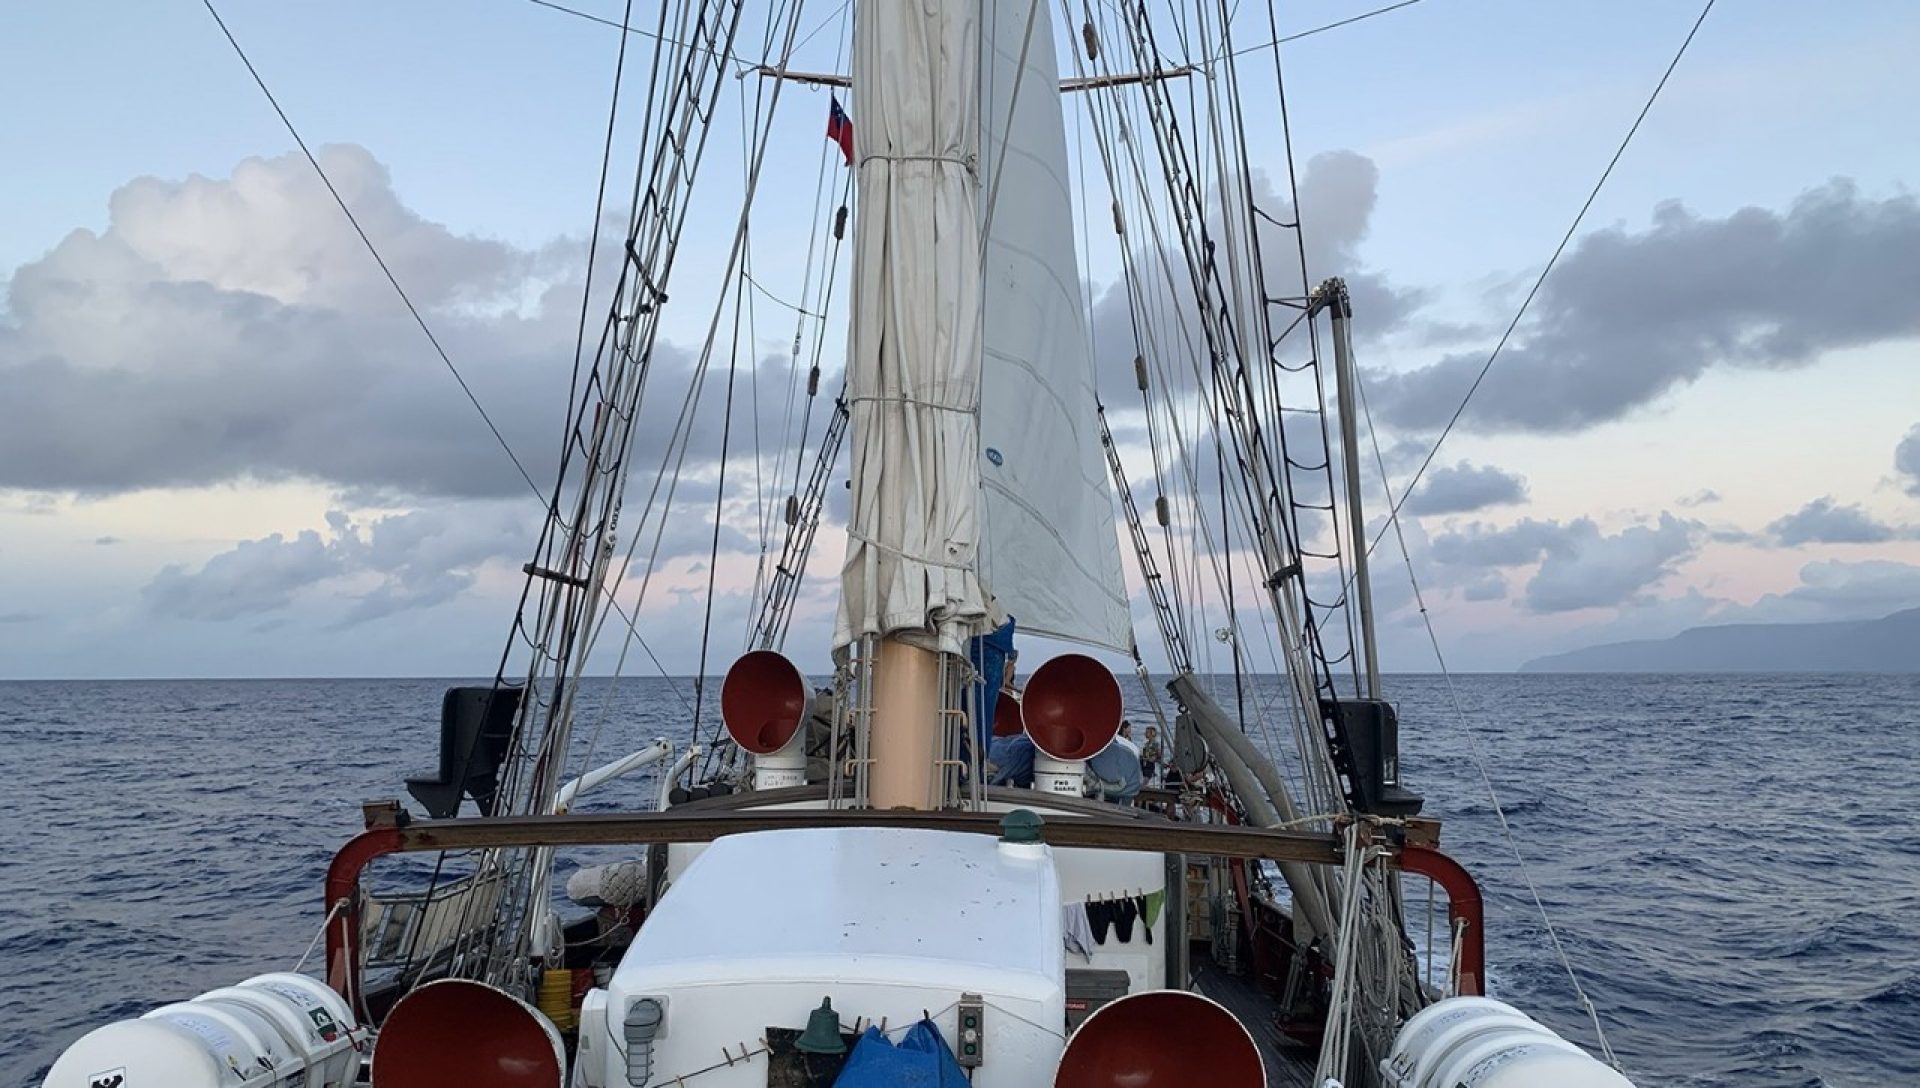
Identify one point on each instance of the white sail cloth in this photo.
(1049, 553)
(914, 363)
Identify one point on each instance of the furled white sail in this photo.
(914, 364)
(1049, 553)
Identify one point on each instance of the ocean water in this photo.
(1731, 862)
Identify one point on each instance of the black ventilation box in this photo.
(1088, 988)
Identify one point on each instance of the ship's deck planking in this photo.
(1288, 1066)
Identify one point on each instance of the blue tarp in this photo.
(920, 1060)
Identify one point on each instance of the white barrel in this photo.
(1533, 1063)
(131, 1052)
(1476, 1042)
(1440, 1029)
(245, 1041)
(317, 1042)
(271, 1031)
(1066, 777)
(332, 1051)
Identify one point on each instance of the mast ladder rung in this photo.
(552, 575)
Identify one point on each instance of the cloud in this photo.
(1703, 497)
(1338, 191)
(1463, 488)
(401, 562)
(1489, 587)
(256, 576)
(235, 329)
(1839, 589)
(1595, 570)
(1579, 565)
(1822, 521)
(1481, 545)
(396, 562)
(1625, 317)
(1906, 460)
(104, 541)
(20, 617)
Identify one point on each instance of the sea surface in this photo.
(1732, 863)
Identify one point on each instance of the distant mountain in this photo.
(1889, 644)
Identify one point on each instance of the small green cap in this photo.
(1022, 825)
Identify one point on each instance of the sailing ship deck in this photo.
(1288, 1066)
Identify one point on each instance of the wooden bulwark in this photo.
(1091, 832)
(390, 831)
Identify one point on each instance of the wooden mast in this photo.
(898, 49)
(906, 725)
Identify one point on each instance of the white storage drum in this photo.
(1535, 1062)
(1476, 1042)
(179, 1046)
(272, 1031)
(309, 1030)
(332, 1050)
(1438, 1031)
(135, 1052)
(245, 1041)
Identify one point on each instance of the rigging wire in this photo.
(418, 318)
(1394, 513)
(368, 242)
(1320, 29)
(1393, 523)
(629, 28)
(1473, 746)
(599, 209)
(1143, 315)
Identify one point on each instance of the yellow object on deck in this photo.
(556, 998)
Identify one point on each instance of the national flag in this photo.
(840, 128)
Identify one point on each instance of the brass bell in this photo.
(823, 1031)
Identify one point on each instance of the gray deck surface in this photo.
(1288, 1066)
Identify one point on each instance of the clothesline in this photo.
(1086, 925)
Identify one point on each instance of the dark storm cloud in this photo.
(232, 329)
(1463, 488)
(1579, 565)
(1823, 521)
(1627, 316)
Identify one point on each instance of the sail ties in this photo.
(969, 162)
(965, 564)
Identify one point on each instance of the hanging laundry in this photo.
(1100, 916)
(1124, 912)
(1074, 929)
(1146, 926)
(1151, 908)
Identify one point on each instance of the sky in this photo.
(227, 450)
